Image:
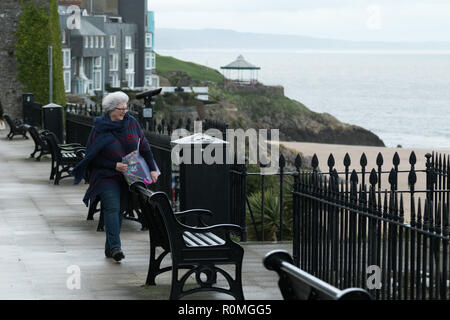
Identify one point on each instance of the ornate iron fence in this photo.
(350, 232)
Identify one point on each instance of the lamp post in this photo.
(50, 66)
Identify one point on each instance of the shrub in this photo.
(271, 215)
(37, 29)
(271, 212)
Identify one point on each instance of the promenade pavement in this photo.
(45, 237)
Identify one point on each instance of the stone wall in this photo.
(10, 88)
(255, 88)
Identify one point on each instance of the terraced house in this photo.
(107, 44)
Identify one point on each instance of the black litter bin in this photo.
(53, 121)
(202, 185)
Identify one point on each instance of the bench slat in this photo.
(189, 242)
(205, 238)
(196, 239)
(216, 239)
(202, 239)
(69, 155)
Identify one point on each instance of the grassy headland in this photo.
(169, 67)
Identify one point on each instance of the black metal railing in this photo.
(350, 232)
(163, 126)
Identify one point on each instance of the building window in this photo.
(128, 42)
(102, 42)
(130, 80)
(67, 81)
(112, 41)
(98, 62)
(148, 40)
(129, 62)
(91, 41)
(148, 60)
(155, 82)
(113, 62)
(66, 58)
(96, 42)
(97, 80)
(148, 81)
(114, 80)
(86, 42)
(153, 61)
(63, 36)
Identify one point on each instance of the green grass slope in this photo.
(167, 66)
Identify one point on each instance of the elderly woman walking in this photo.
(115, 134)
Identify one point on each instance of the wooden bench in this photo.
(40, 144)
(296, 284)
(199, 249)
(64, 156)
(16, 127)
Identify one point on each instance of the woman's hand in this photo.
(121, 167)
(154, 175)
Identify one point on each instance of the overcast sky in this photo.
(380, 20)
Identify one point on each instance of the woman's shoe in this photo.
(117, 254)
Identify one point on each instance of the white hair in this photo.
(113, 100)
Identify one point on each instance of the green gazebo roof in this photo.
(240, 64)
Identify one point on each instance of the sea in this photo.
(401, 96)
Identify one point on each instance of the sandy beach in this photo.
(323, 151)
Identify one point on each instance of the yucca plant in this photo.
(271, 216)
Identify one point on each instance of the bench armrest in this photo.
(72, 148)
(70, 145)
(194, 211)
(141, 190)
(199, 213)
(234, 228)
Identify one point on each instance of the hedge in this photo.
(37, 29)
